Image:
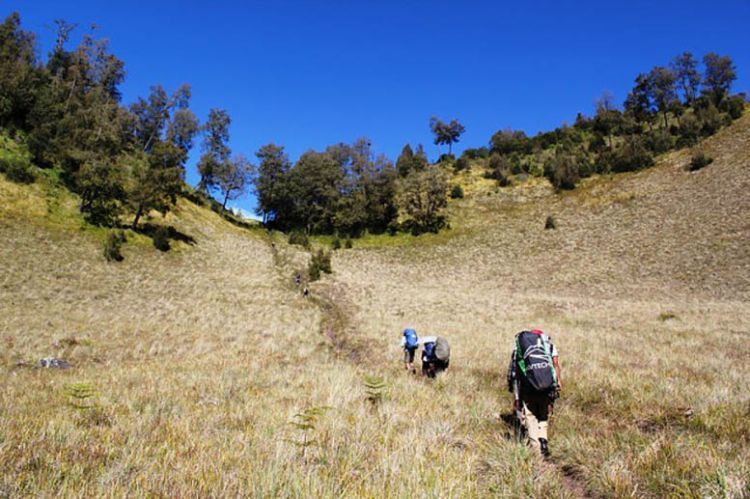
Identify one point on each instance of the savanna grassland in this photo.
(205, 372)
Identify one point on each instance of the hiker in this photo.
(436, 353)
(409, 343)
(297, 279)
(534, 380)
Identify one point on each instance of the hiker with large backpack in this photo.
(409, 343)
(436, 354)
(534, 380)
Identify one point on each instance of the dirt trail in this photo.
(337, 326)
(570, 478)
(331, 299)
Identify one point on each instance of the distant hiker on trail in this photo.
(409, 343)
(436, 354)
(534, 380)
(297, 279)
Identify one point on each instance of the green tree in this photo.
(420, 159)
(421, 196)
(101, 186)
(608, 118)
(719, 75)
(446, 133)
(155, 179)
(509, 141)
(216, 151)
(687, 76)
(233, 177)
(314, 187)
(662, 90)
(405, 161)
(18, 77)
(638, 103)
(271, 181)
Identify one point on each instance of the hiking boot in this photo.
(543, 447)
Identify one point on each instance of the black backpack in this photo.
(534, 361)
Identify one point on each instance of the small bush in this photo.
(320, 262)
(500, 170)
(733, 106)
(457, 192)
(461, 164)
(550, 223)
(348, 244)
(17, 169)
(479, 153)
(631, 156)
(300, 239)
(665, 316)
(161, 239)
(112, 246)
(562, 171)
(447, 159)
(699, 160)
(689, 131)
(659, 141)
(711, 120)
(336, 243)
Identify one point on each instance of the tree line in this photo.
(669, 107)
(127, 160)
(347, 189)
(66, 112)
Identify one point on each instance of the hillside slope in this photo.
(644, 285)
(204, 371)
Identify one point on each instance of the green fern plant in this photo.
(81, 395)
(375, 389)
(305, 423)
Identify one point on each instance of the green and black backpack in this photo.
(533, 359)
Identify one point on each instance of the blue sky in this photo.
(307, 74)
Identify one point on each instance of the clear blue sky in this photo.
(305, 74)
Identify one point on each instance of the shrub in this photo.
(734, 106)
(479, 153)
(699, 160)
(631, 156)
(710, 119)
(15, 160)
(457, 192)
(461, 164)
(17, 171)
(161, 239)
(562, 171)
(550, 223)
(112, 246)
(300, 239)
(689, 131)
(348, 243)
(500, 170)
(659, 141)
(320, 262)
(336, 243)
(447, 158)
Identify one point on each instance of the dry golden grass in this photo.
(204, 372)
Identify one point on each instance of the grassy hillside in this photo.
(204, 371)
